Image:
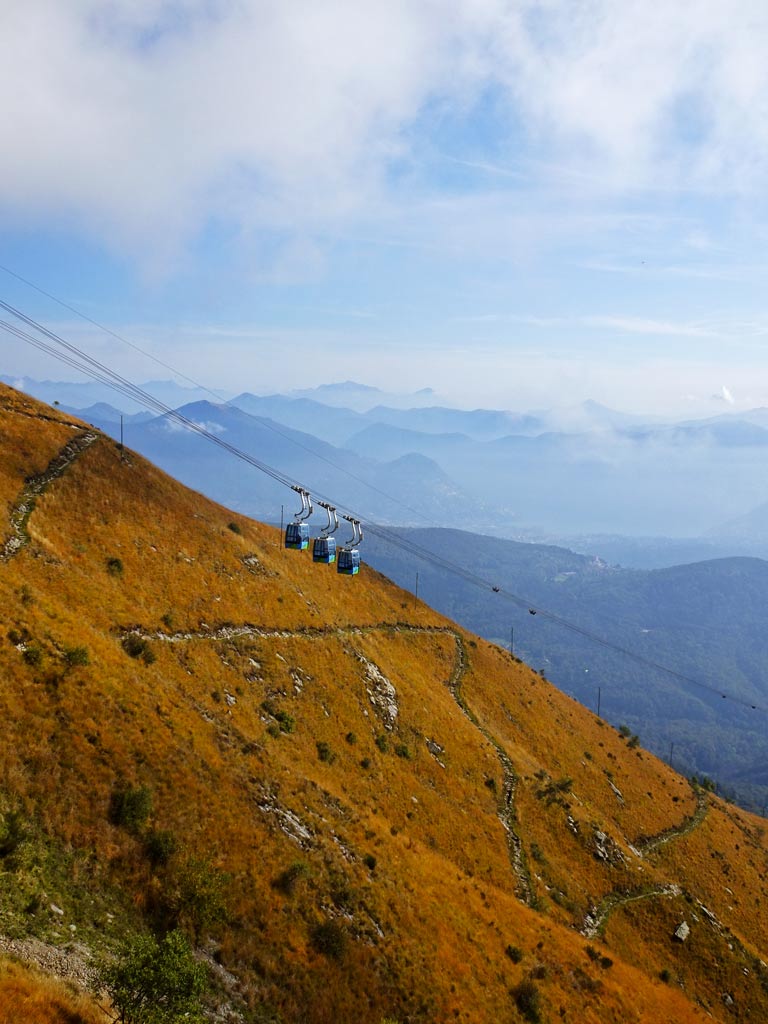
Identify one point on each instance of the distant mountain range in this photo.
(587, 471)
(409, 488)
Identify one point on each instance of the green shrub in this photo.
(382, 742)
(234, 527)
(324, 752)
(130, 808)
(514, 953)
(287, 881)
(402, 750)
(528, 1000)
(33, 654)
(13, 832)
(329, 939)
(195, 898)
(137, 647)
(370, 861)
(75, 656)
(115, 566)
(156, 981)
(351, 738)
(160, 847)
(286, 722)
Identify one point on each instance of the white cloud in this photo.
(142, 121)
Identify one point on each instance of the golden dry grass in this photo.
(31, 997)
(403, 847)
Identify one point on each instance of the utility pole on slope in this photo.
(512, 640)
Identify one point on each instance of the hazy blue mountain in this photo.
(401, 490)
(362, 397)
(705, 621)
(750, 528)
(726, 433)
(332, 423)
(82, 395)
(609, 473)
(481, 424)
(103, 412)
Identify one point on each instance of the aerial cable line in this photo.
(75, 357)
(265, 421)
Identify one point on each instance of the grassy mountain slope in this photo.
(400, 820)
(702, 620)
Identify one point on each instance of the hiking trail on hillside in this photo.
(35, 486)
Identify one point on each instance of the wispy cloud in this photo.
(641, 325)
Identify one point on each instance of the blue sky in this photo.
(520, 204)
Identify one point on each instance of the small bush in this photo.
(13, 832)
(115, 566)
(137, 647)
(382, 743)
(130, 808)
(402, 750)
(287, 881)
(160, 847)
(33, 655)
(634, 741)
(351, 738)
(665, 976)
(286, 722)
(606, 962)
(324, 752)
(329, 939)
(370, 861)
(76, 656)
(234, 528)
(195, 898)
(514, 953)
(365, 762)
(528, 1000)
(625, 731)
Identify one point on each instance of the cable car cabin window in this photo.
(348, 562)
(324, 550)
(297, 536)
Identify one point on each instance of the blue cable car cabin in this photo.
(297, 533)
(297, 536)
(348, 561)
(324, 550)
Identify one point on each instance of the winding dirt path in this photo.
(507, 814)
(647, 844)
(35, 486)
(597, 916)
